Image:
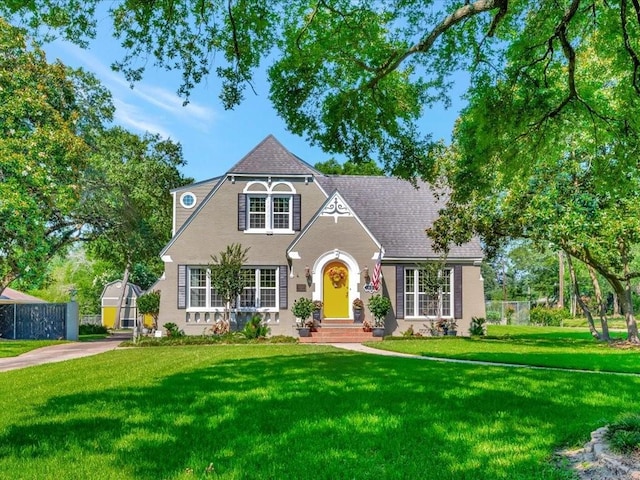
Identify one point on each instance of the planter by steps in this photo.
(378, 331)
(304, 332)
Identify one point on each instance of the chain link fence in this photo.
(507, 313)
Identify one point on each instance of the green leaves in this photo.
(42, 119)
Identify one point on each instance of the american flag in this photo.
(377, 273)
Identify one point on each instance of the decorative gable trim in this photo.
(336, 207)
(327, 209)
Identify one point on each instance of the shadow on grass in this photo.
(320, 415)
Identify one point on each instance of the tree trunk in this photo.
(576, 289)
(125, 282)
(623, 293)
(632, 327)
(560, 280)
(602, 307)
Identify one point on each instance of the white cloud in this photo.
(194, 114)
(131, 116)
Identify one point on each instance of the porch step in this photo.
(338, 321)
(337, 333)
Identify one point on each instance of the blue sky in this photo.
(212, 139)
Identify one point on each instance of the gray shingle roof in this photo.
(269, 157)
(396, 213)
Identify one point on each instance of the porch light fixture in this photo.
(365, 273)
(307, 272)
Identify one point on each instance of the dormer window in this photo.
(269, 207)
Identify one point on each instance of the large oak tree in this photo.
(356, 76)
(47, 114)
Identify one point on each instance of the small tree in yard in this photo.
(149, 303)
(226, 275)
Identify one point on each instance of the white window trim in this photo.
(267, 190)
(416, 294)
(209, 308)
(195, 200)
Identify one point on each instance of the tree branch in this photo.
(462, 13)
(627, 44)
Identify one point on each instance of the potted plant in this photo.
(451, 327)
(317, 310)
(442, 326)
(303, 308)
(379, 307)
(358, 310)
(367, 326)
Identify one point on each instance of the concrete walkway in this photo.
(357, 347)
(68, 351)
(62, 352)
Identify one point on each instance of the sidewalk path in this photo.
(62, 352)
(358, 347)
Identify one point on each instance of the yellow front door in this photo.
(335, 287)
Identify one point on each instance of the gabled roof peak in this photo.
(270, 157)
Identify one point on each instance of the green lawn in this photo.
(13, 348)
(540, 346)
(295, 412)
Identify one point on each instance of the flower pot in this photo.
(452, 333)
(358, 314)
(304, 331)
(317, 315)
(378, 331)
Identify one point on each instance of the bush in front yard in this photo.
(90, 329)
(547, 317)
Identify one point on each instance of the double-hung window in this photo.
(428, 293)
(269, 208)
(260, 289)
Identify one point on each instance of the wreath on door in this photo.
(337, 275)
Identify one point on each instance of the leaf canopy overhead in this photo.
(357, 77)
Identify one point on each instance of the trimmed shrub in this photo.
(90, 329)
(494, 317)
(547, 317)
(623, 435)
(477, 326)
(254, 328)
(173, 331)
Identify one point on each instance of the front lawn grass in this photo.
(556, 347)
(295, 411)
(13, 348)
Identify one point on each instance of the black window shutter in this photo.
(283, 288)
(242, 212)
(399, 291)
(457, 291)
(182, 286)
(297, 212)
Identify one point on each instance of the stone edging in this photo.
(595, 461)
(598, 447)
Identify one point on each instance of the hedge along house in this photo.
(109, 301)
(316, 236)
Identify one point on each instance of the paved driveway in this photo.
(60, 353)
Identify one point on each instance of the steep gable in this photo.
(397, 214)
(269, 157)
